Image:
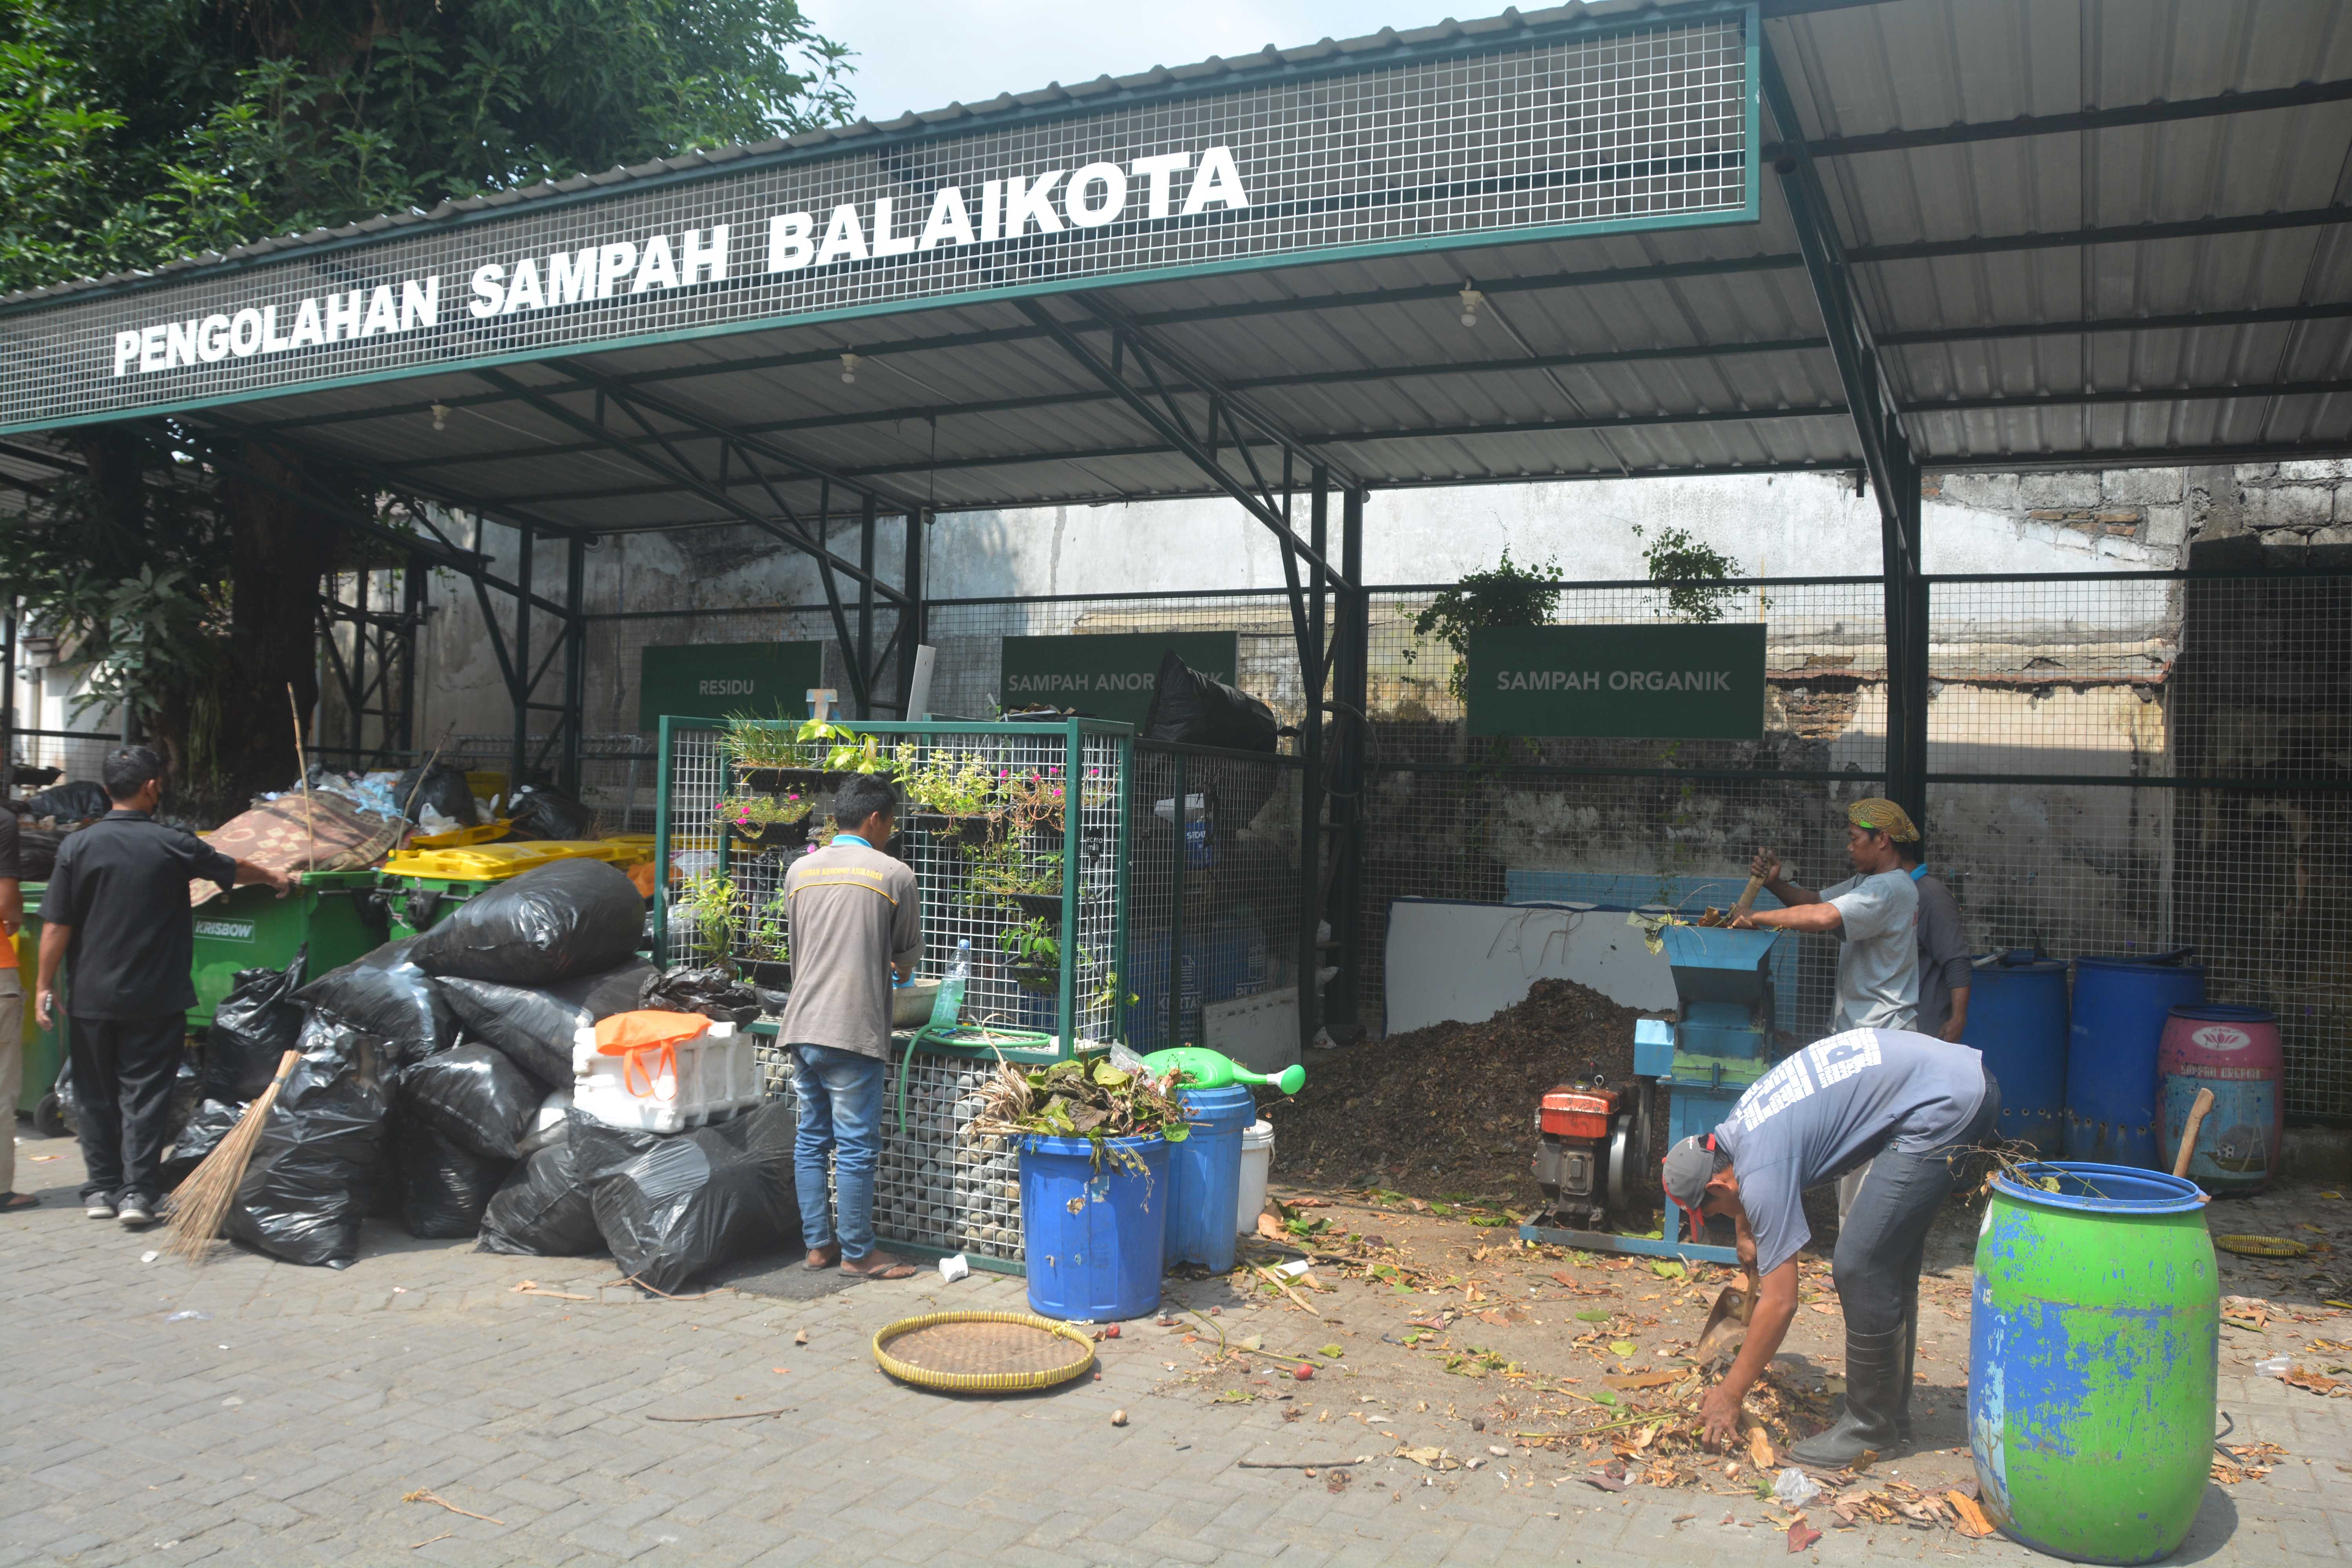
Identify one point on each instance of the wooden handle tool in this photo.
(1747, 900)
(2197, 1109)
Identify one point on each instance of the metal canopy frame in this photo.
(1842, 331)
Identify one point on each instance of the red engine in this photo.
(1583, 1149)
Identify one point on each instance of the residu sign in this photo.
(1611, 682)
(719, 680)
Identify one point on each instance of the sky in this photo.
(926, 54)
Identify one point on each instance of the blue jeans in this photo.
(840, 1094)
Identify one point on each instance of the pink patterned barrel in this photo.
(2234, 1052)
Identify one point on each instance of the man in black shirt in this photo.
(119, 903)
(12, 1008)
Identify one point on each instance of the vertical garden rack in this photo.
(1090, 930)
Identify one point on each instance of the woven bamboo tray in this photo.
(982, 1353)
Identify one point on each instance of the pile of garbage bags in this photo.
(434, 1083)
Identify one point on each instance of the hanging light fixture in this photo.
(848, 369)
(1471, 301)
(440, 416)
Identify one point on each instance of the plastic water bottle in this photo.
(949, 1005)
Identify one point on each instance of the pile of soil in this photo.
(1448, 1111)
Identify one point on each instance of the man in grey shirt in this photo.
(1944, 967)
(1873, 914)
(1902, 1102)
(856, 918)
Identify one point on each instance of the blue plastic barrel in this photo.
(1204, 1177)
(2017, 1017)
(2120, 1007)
(1147, 973)
(1093, 1236)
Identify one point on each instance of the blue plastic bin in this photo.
(1093, 1237)
(1204, 1176)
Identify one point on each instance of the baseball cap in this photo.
(1690, 1164)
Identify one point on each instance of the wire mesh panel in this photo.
(1017, 842)
(1214, 908)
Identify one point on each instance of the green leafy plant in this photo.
(708, 904)
(771, 933)
(1678, 559)
(1007, 872)
(1507, 595)
(1033, 943)
(951, 783)
(760, 810)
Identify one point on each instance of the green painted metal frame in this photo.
(1075, 734)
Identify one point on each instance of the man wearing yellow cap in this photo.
(1874, 914)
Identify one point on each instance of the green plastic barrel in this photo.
(2094, 1336)
(335, 914)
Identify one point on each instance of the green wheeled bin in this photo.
(337, 915)
(2093, 1339)
(44, 1049)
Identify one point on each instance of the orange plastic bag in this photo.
(647, 1042)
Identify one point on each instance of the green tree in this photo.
(136, 131)
(1504, 594)
(1692, 572)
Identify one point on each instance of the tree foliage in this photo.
(1504, 594)
(1693, 570)
(133, 132)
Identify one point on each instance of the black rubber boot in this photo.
(1872, 1364)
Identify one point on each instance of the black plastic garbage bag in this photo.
(207, 1125)
(444, 1187)
(443, 788)
(78, 800)
(255, 1024)
(537, 812)
(674, 1206)
(708, 989)
(555, 921)
(385, 993)
(321, 1154)
(543, 1210)
(534, 1025)
(37, 851)
(1197, 710)
(475, 1096)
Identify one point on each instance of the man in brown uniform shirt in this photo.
(855, 916)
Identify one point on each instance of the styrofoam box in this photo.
(717, 1074)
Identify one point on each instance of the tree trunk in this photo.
(279, 549)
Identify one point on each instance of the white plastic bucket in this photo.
(1257, 1159)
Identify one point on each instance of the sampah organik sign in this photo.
(1544, 132)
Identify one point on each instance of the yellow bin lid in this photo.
(480, 863)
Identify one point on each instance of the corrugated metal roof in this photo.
(2000, 250)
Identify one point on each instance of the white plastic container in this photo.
(670, 1088)
(1257, 1159)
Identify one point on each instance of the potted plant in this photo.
(706, 906)
(1036, 893)
(770, 944)
(760, 822)
(768, 757)
(954, 794)
(1036, 955)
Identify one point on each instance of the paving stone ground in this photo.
(287, 1425)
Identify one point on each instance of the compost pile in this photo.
(1449, 1108)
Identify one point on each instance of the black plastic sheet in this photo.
(254, 1026)
(543, 1210)
(539, 812)
(321, 1151)
(385, 993)
(444, 1186)
(1196, 710)
(77, 800)
(553, 923)
(708, 989)
(535, 1026)
(474, 1095)
(671, 1207)
(443, 788)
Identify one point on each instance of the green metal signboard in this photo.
(713, 680)
(1111, 676)
(1652, 683)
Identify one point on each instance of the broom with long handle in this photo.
(196, 1210)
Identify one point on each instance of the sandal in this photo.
(881, 1265)
(11, 1203)
(820, 1259)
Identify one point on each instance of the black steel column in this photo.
(1175, 1036)
(1906, 648)
(911, 618)
(1351, 714)
(412, 621)
(1313, 669)
(8, 697)
(520, 683)
(864, 653)
(575, 662)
